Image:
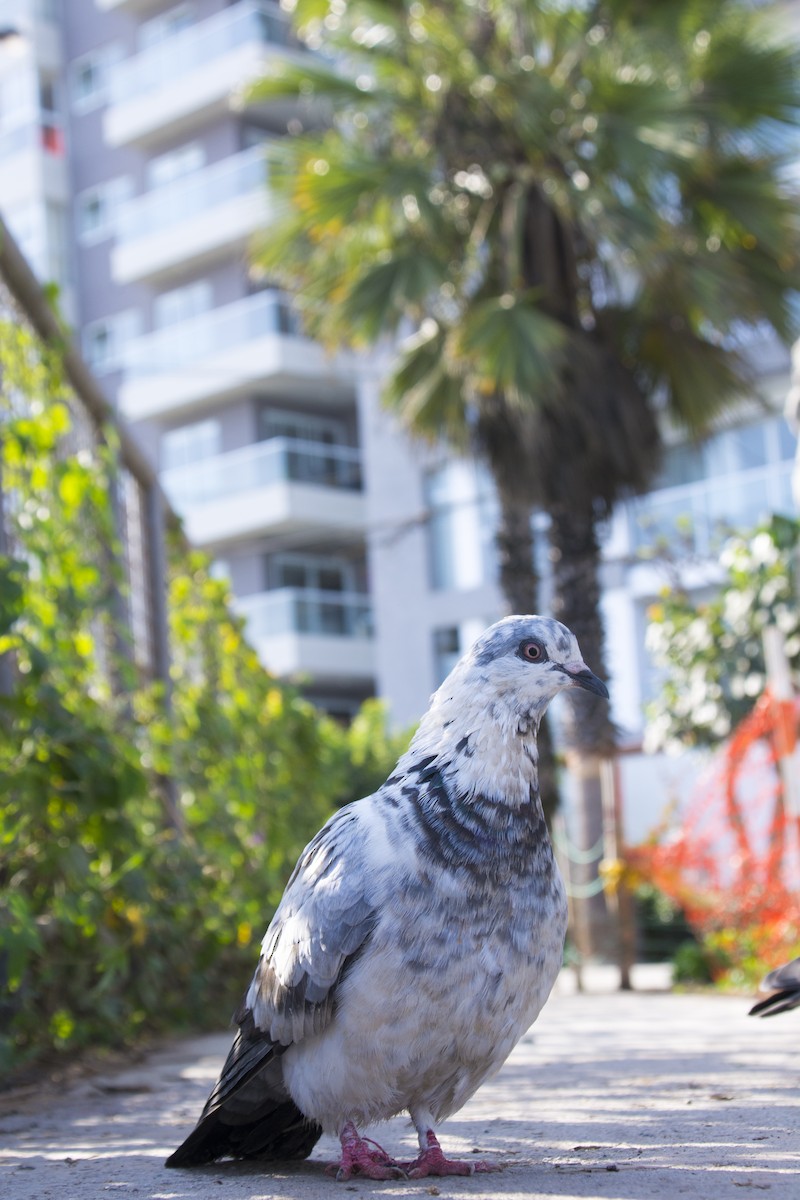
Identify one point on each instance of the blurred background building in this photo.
(132, 177)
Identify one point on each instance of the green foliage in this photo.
(732, 959)
(541, 180)
(143, 845)
(690, 964)
(711, 653)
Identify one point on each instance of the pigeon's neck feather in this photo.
(483, 751)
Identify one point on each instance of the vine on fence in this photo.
(112, 919)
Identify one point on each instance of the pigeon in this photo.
(418, 938)
(787, 979)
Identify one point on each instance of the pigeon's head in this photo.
(523, 662)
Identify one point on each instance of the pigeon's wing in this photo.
(322, 924)
(786, 980)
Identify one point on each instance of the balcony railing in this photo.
(193, 194)
(308, 611)
(200, 45)
(278, 460)
(697, 517)
(188, 342)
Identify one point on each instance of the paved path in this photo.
(613, 1096)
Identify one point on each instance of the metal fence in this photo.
(140, 510)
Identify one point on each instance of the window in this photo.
(97, 208)
(104, 341)
(89, 77)
(165, 25)
(322, 573)
(461, 525)
(276, 422)
(276, 27)
(183, 303)
(191, 443)
(48, 96)
(446, 652)
(451, 641)
(174, 164)
(323, 600)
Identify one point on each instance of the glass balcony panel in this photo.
(193, 194)
(279, 460)
(307, 611)
(209, 333)
(200, 45)
(697, 518)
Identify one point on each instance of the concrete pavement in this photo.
(611, 1095)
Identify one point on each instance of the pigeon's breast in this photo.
(456, 970)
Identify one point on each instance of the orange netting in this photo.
(733, 862)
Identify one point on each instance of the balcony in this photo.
(194, 74)
(304, 631)
(696, 518)
(223, 353)
(198, 217)
(284, 485)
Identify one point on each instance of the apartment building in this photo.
(132, 175)
(254, 429)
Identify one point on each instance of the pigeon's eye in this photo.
(532, 652)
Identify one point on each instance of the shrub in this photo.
(143, 845)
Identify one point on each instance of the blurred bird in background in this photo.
(786, 980)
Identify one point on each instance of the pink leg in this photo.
(363, 1157)
(431, 1161)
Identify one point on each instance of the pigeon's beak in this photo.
(582, 677)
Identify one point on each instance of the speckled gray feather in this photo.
(423, 927)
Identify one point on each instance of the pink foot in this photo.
(433, 1162)
(363, 1157)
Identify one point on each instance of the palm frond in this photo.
(428, 396)
(391, 290)
(511, 345)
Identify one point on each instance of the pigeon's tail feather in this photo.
(277, 1132)
(777, 1003)
(249, 1113)
(251, 1053)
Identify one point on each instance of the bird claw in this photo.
(364, 1158)
(424, 1166)
(433, 1162)
(368, 1171)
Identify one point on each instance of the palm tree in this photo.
(576, 208)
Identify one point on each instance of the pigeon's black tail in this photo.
(249, 1113)
(777, 1003)
(276, 1131)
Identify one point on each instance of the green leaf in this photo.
(512, 346)
(391, 290)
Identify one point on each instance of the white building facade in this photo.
(364, 564)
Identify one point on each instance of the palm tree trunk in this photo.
(588, 731)
(520, 586)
